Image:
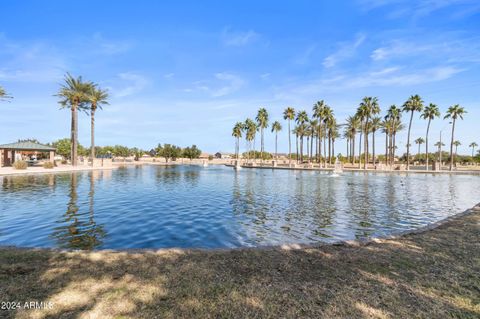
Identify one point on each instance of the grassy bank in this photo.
(434, 274)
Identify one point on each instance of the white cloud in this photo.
(107, 46)
(345, 51)
(234, 84)
(136, 84)
(169, 75)
(238, 38)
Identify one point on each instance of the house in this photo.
(223, 155)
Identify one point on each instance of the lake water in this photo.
(215, 206)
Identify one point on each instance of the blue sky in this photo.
(184, 72)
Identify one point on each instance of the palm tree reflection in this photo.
(79, 230)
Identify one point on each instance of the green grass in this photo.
(434, 274)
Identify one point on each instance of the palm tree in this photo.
(289, 115)
(73, 94)
(430, 113)
(4, 95)
(353, 124)
(419, 141)
(237, 133)
(276, 127)
(96, 97)
(301, 119)
(472, 146)
(250, 128)
(328, 124)
(454, 112)
(412, 105)
(368, 108)
(314, 137)
(456, 144)
(439, 146)
(319, 112)
(262, 121)
(375, 125)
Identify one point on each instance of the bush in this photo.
(48, 165)
(64, 162)
(210, 157)
(20, 165)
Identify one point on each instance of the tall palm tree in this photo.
(319, 111)
(454, 112)
(430, 113)
(412, 105)
(237, 134)
(375, 125)
(262, 122)
(301, 119)
(456, 144)
(328, 124)
(96, 97)
(472, 146)
(353, 124)
(394, 116)
(419, 141)
(289, 115)
(439, 147)
(368, 108)
(314, 137)
(276, 127)
(73, 94)
(4, 95)
(250, 128)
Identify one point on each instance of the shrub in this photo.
(20, 165)
(48, 165)
(210, 157)
(64, 162)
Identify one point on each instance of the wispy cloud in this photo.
(345, 51)
(109, 46)
(136, 83)
(231, 38)
(234, 83)
(421, 8)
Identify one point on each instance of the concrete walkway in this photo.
(7, 171)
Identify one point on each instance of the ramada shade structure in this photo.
(7, 151)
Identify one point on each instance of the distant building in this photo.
(204, 156)
(222, 155)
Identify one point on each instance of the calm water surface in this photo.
(193, 206)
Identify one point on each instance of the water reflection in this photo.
(79, 230)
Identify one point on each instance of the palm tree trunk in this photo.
(360, 150)
(296, 157)
(451, 146)
(92, 133)
(311, 150)
(308, 146)
(426, 145)
(289, 145)
(408, 141)
(329, 149)
(325, 148)
(393, 147)
(373, 149)
(74, 136)
(276, 140)
(386, 146)
(353, 149)
(365, 145)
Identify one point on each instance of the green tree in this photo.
(430, 113)
(96, 97)
(454, 112)
(289, 115)
(412, 105)
(73, 94)
(367, 109)
(191, 152)
(319, 112)
(276, 127)
(456, 144)
(169, 151)
(250, 128)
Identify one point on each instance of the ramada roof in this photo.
(27, 146)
